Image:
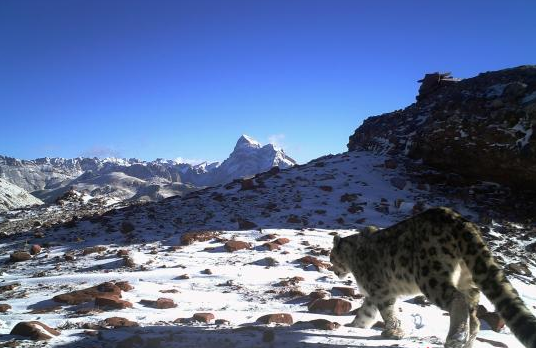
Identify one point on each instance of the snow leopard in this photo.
(437, 253)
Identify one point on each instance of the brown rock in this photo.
(94, 249)
(35, 249)
(69, 256)
(294, 219)
(88, 294)
(9, 287)
(519, 268)
(161, 303)
(330, 306)
(247, 184)
(122, 252)
(281, 241)
(119, 322)
(235, 245)
(222, 322)
(345, 291)
(318, 294)
(19, 256)
(326, 188)
(4, 307)
(271, 246)
(183, 276)
(320, 324)
(112, 302)
(246, 225)
(124, 285)
(127, 227)
(203, 317)
(198, 236)
(278, 318)
(310, 260)
(34, 330)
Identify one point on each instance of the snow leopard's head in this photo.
(339, 259)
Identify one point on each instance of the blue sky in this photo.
(181, 78)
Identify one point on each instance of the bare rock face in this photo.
(34, 330)
(480, 128)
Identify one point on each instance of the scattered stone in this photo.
(198, 236)
(278, 318)
(326, 188)
(294, 219)
(9, 287)
(318, 294)
(183, 276)
(111, 301)
(129, 262)
(291, 281)
(35, 330)
(19, 256)
(345, 291)
(310, 260)
(398, 182)
(94, 249)
(207, 271)
(348, 197)
(281, 241)
(267, 237)
(124, 285)
(4, 307)
(127, 227)
(122, 252)
(519, 268)
(247, 184)
(222, 322)
(271, 246)
(203, 317)
(330, 306)
(69, 256)
(246, 225)
(169, 291)
(320, 324)
(89, 294)
(35, 249)
(235, 245)
(161, 303)
(116, 322)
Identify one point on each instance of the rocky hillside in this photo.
(243, 264)
(121, 179)
(14, 197)
(481, 127)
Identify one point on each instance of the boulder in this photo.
(116, 322)
(203, 317)
(89, 294)
(19, 256)
(331, 306)
(34, 330)
(35, 249)
(4, 307)
(278, 318)
(235, 245)
(111, 302)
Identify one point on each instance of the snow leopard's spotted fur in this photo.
(439, 254)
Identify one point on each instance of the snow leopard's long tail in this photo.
(492, 281)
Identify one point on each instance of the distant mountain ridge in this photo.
(49, 178)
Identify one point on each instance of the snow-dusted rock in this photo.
(14, 197)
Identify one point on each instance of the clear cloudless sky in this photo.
(185, 78)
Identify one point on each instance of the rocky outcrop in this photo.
(480, 127)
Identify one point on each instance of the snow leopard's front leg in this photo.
(392, 323)
(365, 315)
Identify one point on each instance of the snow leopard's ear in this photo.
(336, 240)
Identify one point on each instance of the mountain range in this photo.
(116, 179)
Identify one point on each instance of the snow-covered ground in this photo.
(305, 205)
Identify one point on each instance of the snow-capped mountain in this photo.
(49, 178)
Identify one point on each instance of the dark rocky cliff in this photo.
(480, 127)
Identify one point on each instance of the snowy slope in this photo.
(304, 204)
(14, 197)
